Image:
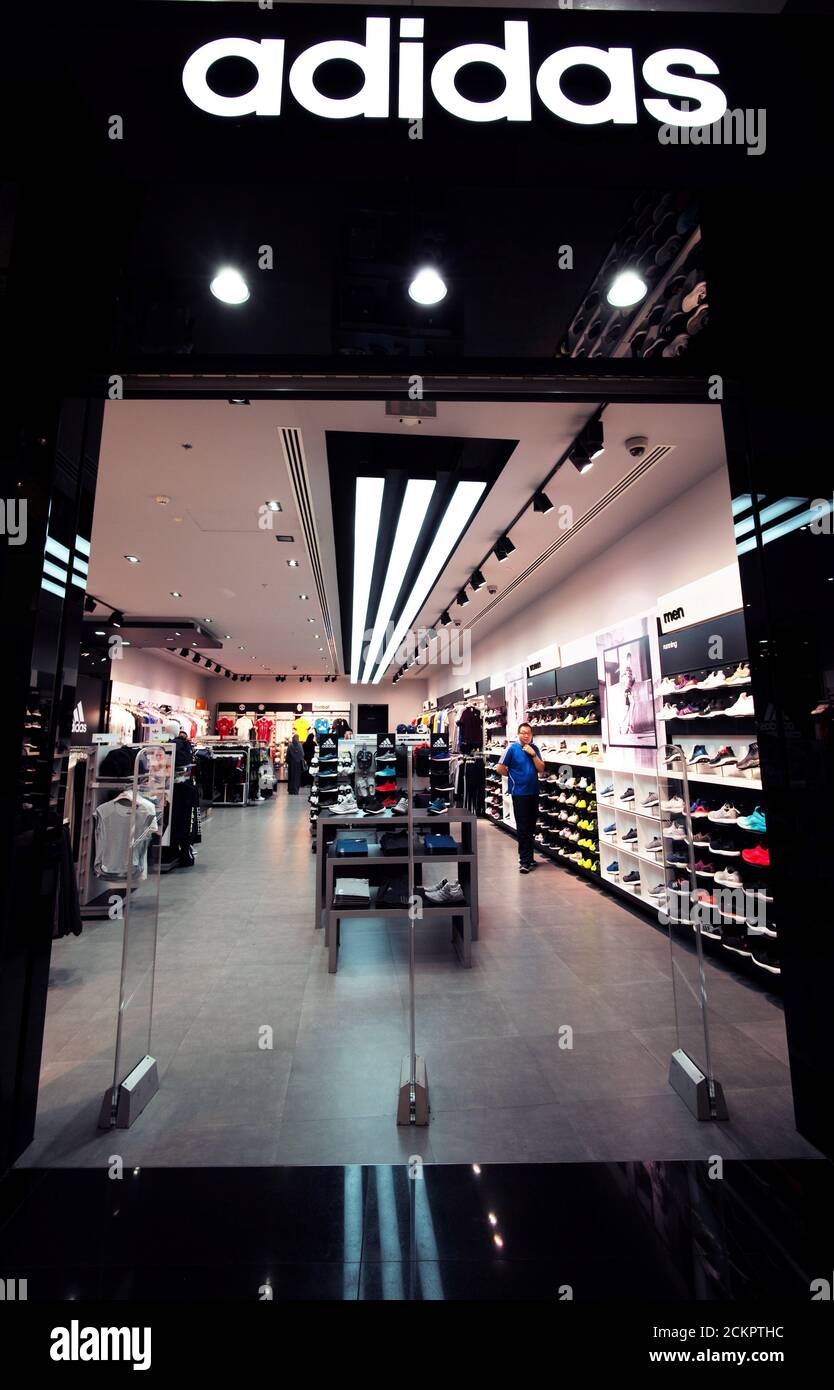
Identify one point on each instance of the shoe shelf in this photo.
(717, 779)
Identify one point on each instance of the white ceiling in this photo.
(206, 542)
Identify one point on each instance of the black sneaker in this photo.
(631, 878)
(524, 868)
(725, 846)
(734, 937)
(725, 757)
(750, 759)
(765, 953)
(628, 794)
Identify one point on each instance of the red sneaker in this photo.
(759, 854)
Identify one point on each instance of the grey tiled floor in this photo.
(553, 1047)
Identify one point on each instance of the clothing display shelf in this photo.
(157, 784)
(224, 788)
(464, 915)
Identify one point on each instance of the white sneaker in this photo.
(346, 806)
(444, 892)
(714, 679)
(675, 803)
(730, 878)
(741, 675)
(743, 706)
(726, 814)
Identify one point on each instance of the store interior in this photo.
(247, 583)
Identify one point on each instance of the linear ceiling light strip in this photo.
(415, 504)
(297, 469)
(463, 503)
(367, 511)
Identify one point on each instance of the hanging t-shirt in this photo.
(243, 727)
(322, 726)
(112, 822)
(225, 726)
(264, 729)
(301, 726)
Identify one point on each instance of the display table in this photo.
(464, 915)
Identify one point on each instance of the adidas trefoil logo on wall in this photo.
(79, 723)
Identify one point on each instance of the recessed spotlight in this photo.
(227, 637)
(304, 596)
(274, 506)
(179, 518)
(241, 649)
(117, 618)
(162, 500)
(229, 287)
(99, 632)
(626, 289)
(427, 287)
(317, 635)
(186, 446)
(311, 620)
(132, 559)
(293, 564)
(175, 593)
(207, 620)
(178, 634)
(193, 644)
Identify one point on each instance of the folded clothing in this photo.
(352, 892)
(440, 844)
(393, 892)
(394, 842)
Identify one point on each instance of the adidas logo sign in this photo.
(79, 723)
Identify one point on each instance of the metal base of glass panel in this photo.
(131, 1097)
(413, 1106)
(693, 1088)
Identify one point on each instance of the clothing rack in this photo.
(94, 892)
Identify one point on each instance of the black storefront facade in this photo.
(113, 145)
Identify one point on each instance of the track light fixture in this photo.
(89, 604)
(542, 503)
(227, 674)
(444, 618)
(477, 581)
(462, 599)
(117, 617)
(503, 548)
(590, 443)
(195, 657)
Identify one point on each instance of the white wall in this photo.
(691, 537)
(138, 667)
(404, 700)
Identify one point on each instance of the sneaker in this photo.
(613, 868)
(701, 837)
(610, 830)
(437, 806)
(759, 854)
(675, 803)
(729, 878)
(658, 892)
(758, 892)
(383, 787)
(689, 710)
(524, 868)
(632, 879)
(667, 686)
(699, 808)
(654, 846)
(704, 869)
(725, 757)
(346, 806)
(724, 846)
(734, 938)
(607, 791)
(755, 822)
(651, 801)
(713, 680)
(668, 712)
(671, 754)
(628, 794)
(725, 815)
(594, 750)
(678, 859)
(698, 755)
(740, 676)
(765, 954)
(444, 892)
(400, 807)
(750, 759)
(743, 707)
(630, 837)
(675, 831)
(582, 750)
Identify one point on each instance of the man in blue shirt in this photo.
(521, 765)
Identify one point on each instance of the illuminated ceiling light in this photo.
(100, 632)
(581, 458)
(229, 286)
(175, 593)
(542, 503)
(592, 438)
(304, 596)
(117, 617)
(503, 548)
(626, 289)
(311, 620)
(464, 500)
(293, 564)
(415, 504)
(133, 559)
(427, 287)
(367, 508)
(227, 636)
(274, 506)
(207, 620)
(162, 500)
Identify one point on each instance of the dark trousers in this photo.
(526, 812)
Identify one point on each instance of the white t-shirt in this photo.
(243, 727)
(112, 831)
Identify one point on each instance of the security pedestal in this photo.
(131, 1098)
(693, 1088)
(413, 1107)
